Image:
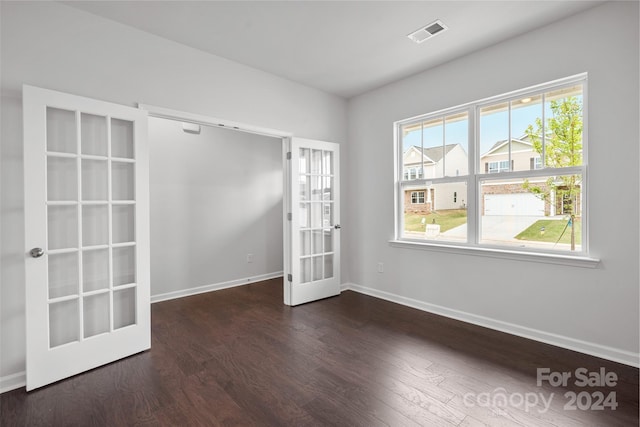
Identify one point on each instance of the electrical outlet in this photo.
(380, 267)
(249, 258)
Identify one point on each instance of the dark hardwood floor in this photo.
(240, 357)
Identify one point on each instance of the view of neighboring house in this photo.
(508, 197)
(435, 162)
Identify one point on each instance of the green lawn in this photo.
(447, 219)
(553, 228)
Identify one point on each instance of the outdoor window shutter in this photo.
(532, 163)
(486, 167)
(512, 168)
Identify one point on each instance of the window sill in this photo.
(548, 258)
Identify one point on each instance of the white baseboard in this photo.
(593, 349)
(13, 381)
(214, 287)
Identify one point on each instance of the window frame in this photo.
(477, 175)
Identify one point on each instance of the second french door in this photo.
(315, 221)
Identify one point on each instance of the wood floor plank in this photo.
(239, 357)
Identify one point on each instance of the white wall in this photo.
(54, 46)
(215, 197)
(592, 310)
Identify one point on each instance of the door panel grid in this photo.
(90, 206)
(315, 177)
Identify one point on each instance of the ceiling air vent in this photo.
(427, 31)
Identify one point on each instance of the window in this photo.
(535, 163)
(496, 167)
(417, 197)
(514, 164)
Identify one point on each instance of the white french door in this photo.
(314, 232)
(87, 233)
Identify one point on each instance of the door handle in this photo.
(36, 252)
(337, 226)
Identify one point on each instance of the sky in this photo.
(494, 127)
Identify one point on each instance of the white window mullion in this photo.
(444, 144)
(473, 189)
(509, 138)
(544, 134)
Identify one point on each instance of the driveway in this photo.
(502, 230)
(496, 228)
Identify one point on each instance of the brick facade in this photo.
(419, 208)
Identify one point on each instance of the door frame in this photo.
(285, 136)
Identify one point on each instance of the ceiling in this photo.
(341, 47)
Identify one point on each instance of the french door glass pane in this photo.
(305, 192)
(328, 240)
(94, 180)
(317, 242)
(327, 191)
(124, 308)
(123, 223)
(305, 270)
(328, 266)
(327, 168)
(305, 242)
(327, 213)
(316, 161)
(62, 179)
(305, 215)
(123, 181)
(96, 312)
(317, 267)
(62, 227)
(124, 265)
(305, 161)
(95, 225)
(316, 214)
(316, 188)
(93, 132)
(95, 270)
(64, 325)
(63, 274)
(61, 131)
(122, 139)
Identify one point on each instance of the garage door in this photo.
(525, 204)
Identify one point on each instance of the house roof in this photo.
(436, 153)
(502, 143)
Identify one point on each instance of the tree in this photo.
(561, 148)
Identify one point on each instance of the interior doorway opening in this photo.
(216, 207)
